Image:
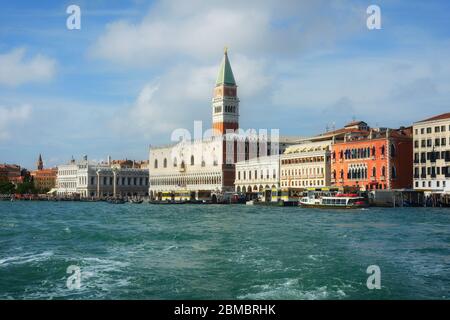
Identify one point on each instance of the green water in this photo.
(143, 251)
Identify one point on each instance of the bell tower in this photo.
(40, 163)
(225, 103)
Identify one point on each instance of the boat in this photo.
(136, 201)
(339, 201)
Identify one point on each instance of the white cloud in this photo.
(184, 94)
(11, 118)
(200, 29)
(17, 70)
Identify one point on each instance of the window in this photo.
(429, 130)
(437, 129)
(392, 150)
(156, 164)
(437, 142)
(442, 128)
(192, 160)
(429, 142)
(175, 162)
(165, 163)
(443, 141)
(394, 172)
(422, 131)
(416, 143)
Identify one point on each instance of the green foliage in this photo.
(6, 187)
(26, 188)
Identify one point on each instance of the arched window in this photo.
(192, 160)
(165, 163)
(175, 162)
(374, 172)
(392, 150)
(383, 171)
(394, 172)
(156, 163)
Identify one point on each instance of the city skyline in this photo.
(113, 87)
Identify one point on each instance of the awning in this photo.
(53, 191)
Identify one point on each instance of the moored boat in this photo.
(339, 201)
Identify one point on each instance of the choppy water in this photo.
(221, 252)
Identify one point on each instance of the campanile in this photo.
(225, 103)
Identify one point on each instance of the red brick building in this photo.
(371, 159)
(11, 173)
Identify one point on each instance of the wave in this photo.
(292, 289)
(25, 258)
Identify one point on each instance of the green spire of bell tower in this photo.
(225, 76)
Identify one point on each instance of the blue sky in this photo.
(139, 69)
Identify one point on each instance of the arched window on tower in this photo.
(165, 163)
(192, 160)
(156, 164)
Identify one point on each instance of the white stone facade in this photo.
(258, 174)
(432, 154)
(189, 165)
(306, 165)
(87, 179)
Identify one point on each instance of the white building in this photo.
(432, 154)
(306, 165)
(88, 179)
(258, 175)
(192, 166)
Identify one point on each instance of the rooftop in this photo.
(438, 117)
(225, 76)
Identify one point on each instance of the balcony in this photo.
(416, 176)
(423, 175)
(383, 178)
(341, 180)
(333, 180)
(416, 161)
(373, 179)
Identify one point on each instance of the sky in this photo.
(137, 70)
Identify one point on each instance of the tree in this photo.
(6, 187)
(26, 188)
